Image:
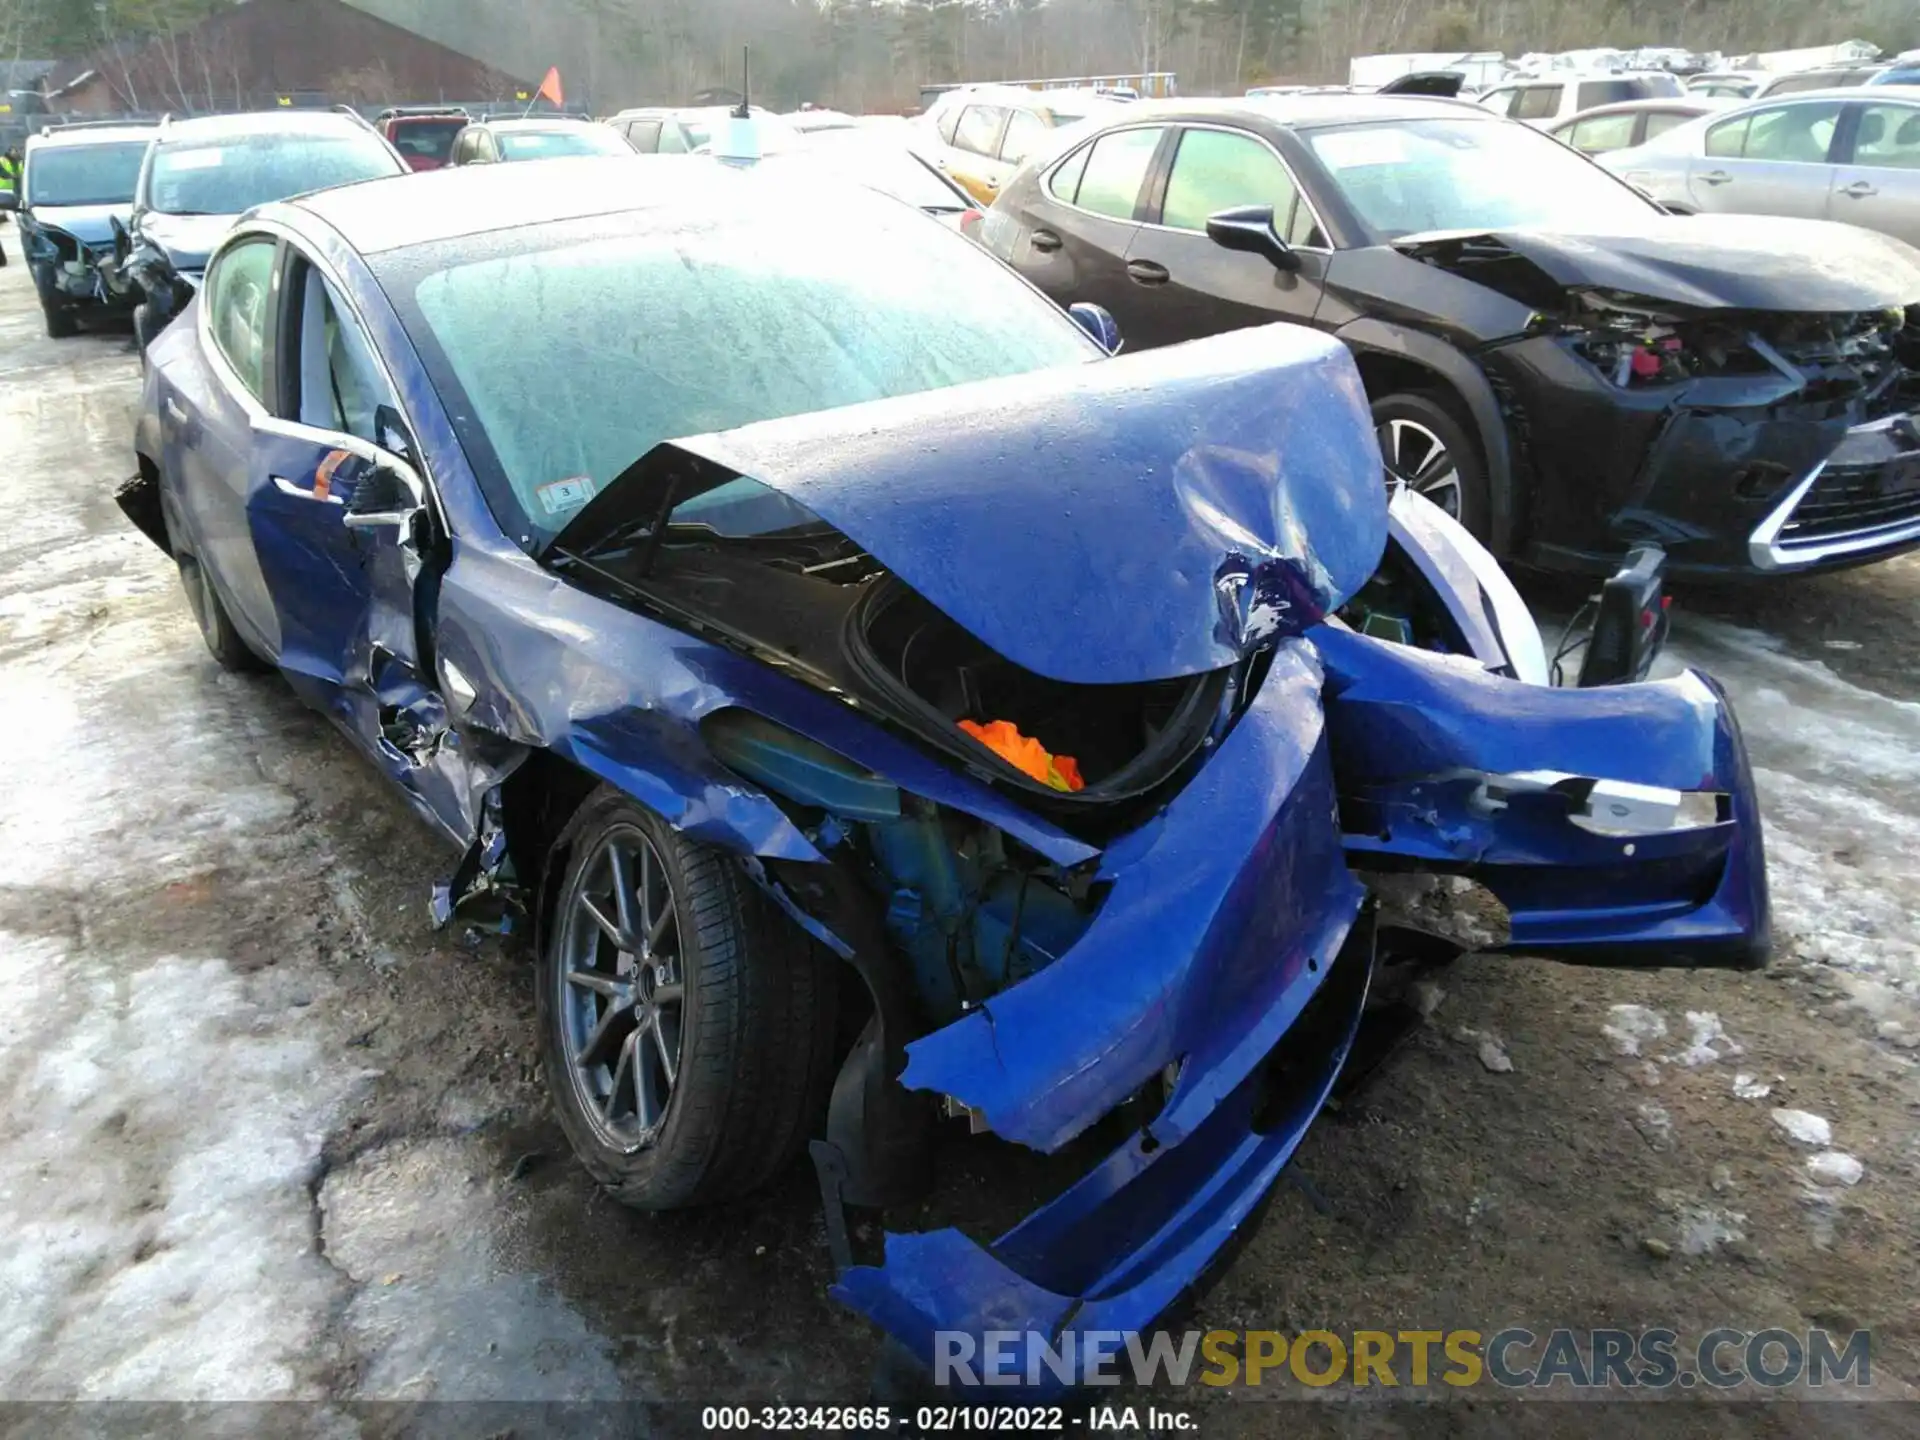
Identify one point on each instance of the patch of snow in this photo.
(1629, 1027)
(1746, 1087)
(1705, 1228)
(1834, 1167)
(1804, 1126)
(1707, 1041)
(1493, 1055)
(1655, 1126)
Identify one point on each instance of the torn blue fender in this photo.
(1233, 948)
(1445, 767)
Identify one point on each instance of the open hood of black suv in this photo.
(1706, 262)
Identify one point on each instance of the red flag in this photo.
(550, 88)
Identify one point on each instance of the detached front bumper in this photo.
(1734, 476)
(1232, 952)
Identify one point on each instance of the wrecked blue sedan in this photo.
(890, 709)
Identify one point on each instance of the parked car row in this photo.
(1557, 362)
(884, 702)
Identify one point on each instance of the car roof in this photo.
(1694, 104)
(400, 212)
(1875, 95)
(1022, 97)
(91, 135)
(259, 122)
(1309, 111)
(535, 122)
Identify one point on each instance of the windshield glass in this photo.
(545, 144)
(1410, 176)
(85, 174)
(229, 175)
(564, 364)
(426, 139)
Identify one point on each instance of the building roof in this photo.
(252, 52)
(24, 74)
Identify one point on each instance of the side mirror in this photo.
(122, 241)
(392, 494)
(9, 200)
(1098, 322)
(1251, 228)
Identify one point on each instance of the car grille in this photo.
(1850, 498)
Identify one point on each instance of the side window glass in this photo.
(1065, 182)
(1025, 130)
(240, 310)
(948, 123)
(1659, 122)
(1116, 169)
(1598, 134)
(1538, 102)
(1794, 134)
(979, 129)
(1729, 141)
(673, 138)
(1214, 170)
(1889, 136)
(340, 383)
(644, 136)
(1303, 231)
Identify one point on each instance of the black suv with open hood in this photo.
(1550, 357)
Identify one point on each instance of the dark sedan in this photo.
(1550, 357)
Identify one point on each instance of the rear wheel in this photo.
(685, 1024)
(1428, 450)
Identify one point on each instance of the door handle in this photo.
(1147, 272)
(1045, 241)
(1859, 190)
(1716, 177)
(174, 412)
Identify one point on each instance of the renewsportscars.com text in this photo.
(1511, 1359)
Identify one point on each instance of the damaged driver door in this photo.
(349, 543)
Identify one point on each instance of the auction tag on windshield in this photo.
(196, 160)
(560, 497)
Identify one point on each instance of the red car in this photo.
(423, 135)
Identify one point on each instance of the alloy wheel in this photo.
(621, 996)
(1418, 459)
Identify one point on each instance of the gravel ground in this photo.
(264, 1135)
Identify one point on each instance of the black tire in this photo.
(1413, 418)
(146, 327)
(53, 305)
(60, 322)
(209, 612)
(752, 1030)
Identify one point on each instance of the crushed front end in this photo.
(1060, 689)
(1746, 420)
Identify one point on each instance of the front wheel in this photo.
(685, 1024)
(147, 326)
(1428, 450)
(209, 611)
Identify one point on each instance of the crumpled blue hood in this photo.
(1141, 518)
(89, 224)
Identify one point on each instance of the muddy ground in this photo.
(265, 1135)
